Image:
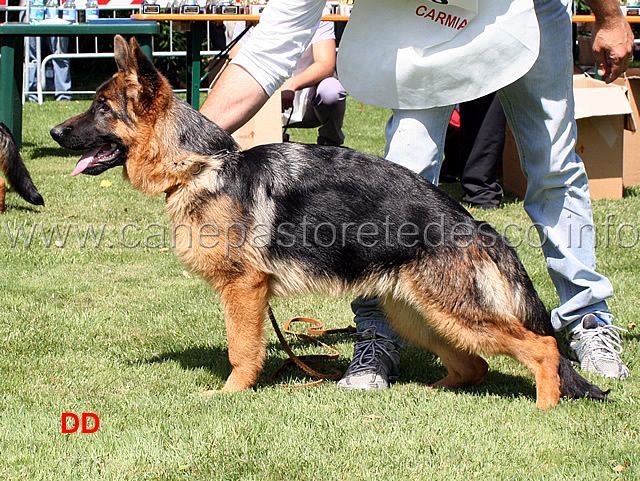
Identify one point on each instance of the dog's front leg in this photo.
(245, 301)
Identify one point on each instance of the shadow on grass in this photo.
(213, 359)
(55, 152)
(505, 385)
(22, 207)
(631, 336)
(633, 191)
(417, 366)
(422, 367)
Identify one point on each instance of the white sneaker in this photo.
(597, 346)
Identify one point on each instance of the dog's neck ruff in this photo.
(198, 170)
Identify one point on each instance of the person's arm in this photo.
(234, 99)
(323, 66)
(265, 61)
(612, 39)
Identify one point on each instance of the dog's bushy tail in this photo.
(14, 169)
(573, 385)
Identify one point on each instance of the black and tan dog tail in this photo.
(573, 385)
(14, 169)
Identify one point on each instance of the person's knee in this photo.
(330, 92)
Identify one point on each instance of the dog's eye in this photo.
(104, 107)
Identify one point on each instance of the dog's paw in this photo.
(211, 392)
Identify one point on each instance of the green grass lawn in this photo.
(113, 324)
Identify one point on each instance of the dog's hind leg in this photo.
(541, 356)
(457, 343)
(538, 353)
(464, 368)
(245, 301)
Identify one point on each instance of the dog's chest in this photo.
(211, 236)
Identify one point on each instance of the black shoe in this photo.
(376, 361)
(325, 141)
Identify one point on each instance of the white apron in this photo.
(418, 54)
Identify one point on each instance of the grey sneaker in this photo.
(376, 361)
(597, 347)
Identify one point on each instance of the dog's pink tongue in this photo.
(85, 161)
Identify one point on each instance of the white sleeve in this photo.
(284, 32)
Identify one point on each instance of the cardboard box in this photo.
(631, 161)
(264, 128)
(602, 114)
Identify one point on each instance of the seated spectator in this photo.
(313, 96)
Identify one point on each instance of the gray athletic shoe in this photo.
(597, 347)
(376, 361)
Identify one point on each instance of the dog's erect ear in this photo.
(145, 69)
(148, 77)
(122, 54)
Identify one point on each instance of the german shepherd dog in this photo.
(16, 172)
(285, 219)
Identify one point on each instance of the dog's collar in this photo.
(221, 153)
(216, 155)
(198, 169)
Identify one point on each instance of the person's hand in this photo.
(612, 46)
(287, 99)
(287, 93)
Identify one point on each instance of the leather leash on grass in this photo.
(306, 361)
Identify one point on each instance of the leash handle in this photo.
(286, 126)
(305, 362)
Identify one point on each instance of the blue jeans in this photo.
(540, 111)
(58, 71)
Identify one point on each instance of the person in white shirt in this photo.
(312, 96)
(522, 49)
